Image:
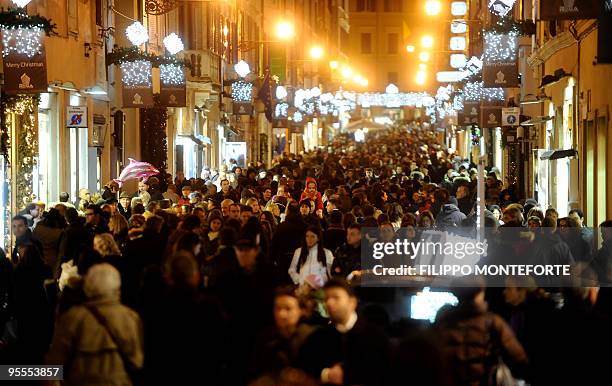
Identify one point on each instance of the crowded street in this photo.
(302, 193)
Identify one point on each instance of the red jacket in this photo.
(316, 197)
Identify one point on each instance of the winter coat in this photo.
(87, 351)
(50, 239)
(449, 216)
(469, 338)
(316, 197)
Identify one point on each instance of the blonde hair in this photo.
(117, 223)
(270, 206)
(105, 245)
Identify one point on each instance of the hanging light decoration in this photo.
(500, 47)
(501, 7)
(242, 91)
(173, 44)
(475, 92)
(171, 74)
(23, 41)
(281, 110)
(281, 92)
(242, 68)
(136, 73)
(137, 34)
(21, 3)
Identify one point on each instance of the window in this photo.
(366, 6)
(392, 77)
(366, 43)
(393, 6)
(392, 43)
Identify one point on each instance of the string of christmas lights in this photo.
(281, 110)
(500, 47)
(242, 91)
(23, 41)
(171, 74)
(475, 92)
(137, 73)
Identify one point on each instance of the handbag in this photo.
(135, 373)
(499, 373)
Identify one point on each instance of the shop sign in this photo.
(76, 116)
(490, 116)
(569, 9)
(25, 69)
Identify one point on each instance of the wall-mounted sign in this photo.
(25, 63)
(470, 114)
(510, 116)
(173, 88)
(137, 90)
(242, 108)
(569, 9)
(76, 116)
(490, 116)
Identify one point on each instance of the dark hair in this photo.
(181, 268)
(190, 222)
(245, 208)
(138, 209)
(187, 242)
(577, 211)
(64, 197)
(348, 219)
(335, 217)
(354, 226)
(338, 282)
(227, 235)
(304, 250)
(20, 218)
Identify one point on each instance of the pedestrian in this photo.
(311, 258)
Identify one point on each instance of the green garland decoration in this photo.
(18, 18)
(22, 108)
(153, 137)
(131, 54)
(507, 24)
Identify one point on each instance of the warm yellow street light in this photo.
(422, 67)
(424, 56)
(421, 77)
(427, 41)
(433, 7)
(316, 52)
(364, 83)
(347, 72)
(333, 64)
(410, 48)
(285, 30)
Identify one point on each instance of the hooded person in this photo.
(449, 216)
(311, 193)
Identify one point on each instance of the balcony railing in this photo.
(205, 66)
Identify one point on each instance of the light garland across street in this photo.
(136, 73)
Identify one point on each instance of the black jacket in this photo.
(287, 238)
(363, 353)
(334, 238)
(346, 260)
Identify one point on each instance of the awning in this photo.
(558, 154)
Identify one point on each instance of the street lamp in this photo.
(427, 41)
(285, 30)
(421, 77)
(316, 52)
(424, 56)
(433, 7)
(333, 64)
(410, 48)
(347, 72)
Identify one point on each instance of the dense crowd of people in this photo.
(252, 276)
